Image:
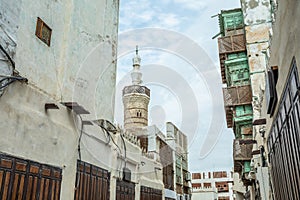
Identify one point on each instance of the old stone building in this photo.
(271, 152)
(58, 75)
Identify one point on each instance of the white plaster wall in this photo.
(9, 24)
(80, 63)
(28, 132)
(79, 66)
(207, 194)
(238, 185)
(256, 11)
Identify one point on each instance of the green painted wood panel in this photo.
(237, 69)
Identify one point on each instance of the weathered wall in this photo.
(133, 103)
(257, 19)
(28, 132)
(238, 186)
(9, 25)
(79, 66)
(80, 63)
(256, 11)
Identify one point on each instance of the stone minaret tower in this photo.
(136, 98)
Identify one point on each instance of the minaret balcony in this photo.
(136, 89)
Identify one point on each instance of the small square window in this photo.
(43, 31)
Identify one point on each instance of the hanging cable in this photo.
(10, 80)
(8, 57)
(124, 148)
(79, 140)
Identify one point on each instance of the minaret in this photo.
(136, 98)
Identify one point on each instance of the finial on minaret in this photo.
(136, 75)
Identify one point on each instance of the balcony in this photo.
(232, 44)
(136, 89)
(237, 95)
(242, 152)
(229, 117)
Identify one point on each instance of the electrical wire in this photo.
(8, 57)
(112, 139)
(124, 149)
(6, 84)
(79, 140)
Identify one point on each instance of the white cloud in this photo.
(192, 18)
(193, 4)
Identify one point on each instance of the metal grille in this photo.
(231, 44)
(125, 190)
(25, 179)
(284, 140)
(148, 193)
(92, 182)
(239, 95)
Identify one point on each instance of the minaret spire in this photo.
(136, 74)
(136, 98)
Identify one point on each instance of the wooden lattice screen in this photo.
(125, 190)
(92, 182)
(148, 193)
(25, 179)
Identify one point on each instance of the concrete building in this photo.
(205, 193)
(206, 182)
(182, 177)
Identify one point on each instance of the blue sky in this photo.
(179, 93)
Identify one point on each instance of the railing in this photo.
(136, 89)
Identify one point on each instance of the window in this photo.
(196, 176)
(196, 185)
(43, 31)
(148, 193)
(271, 93)
(139, 114)
(207, 185)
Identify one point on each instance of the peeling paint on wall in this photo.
(256, 11)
